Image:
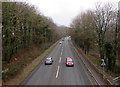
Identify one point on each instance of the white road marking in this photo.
(57, 72)
(60, 60)
(87, 67)
(61, 51)
(61, 54)
(62, 48)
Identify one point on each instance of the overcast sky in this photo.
(63, 11)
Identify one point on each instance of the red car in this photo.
(69, 61)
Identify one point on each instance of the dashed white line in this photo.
(57, 72)
(61, 51)
(60, 60)
(61, 54)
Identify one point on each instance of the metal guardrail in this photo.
(116, 81)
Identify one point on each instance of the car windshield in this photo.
(69, 60)
(48, 59)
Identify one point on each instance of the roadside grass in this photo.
(19, 60)
(17, 75)
(93, 57)
(116, 69)
(96, 62)
(118, 63)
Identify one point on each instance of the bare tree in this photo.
(84, 35)
(102, 16)
(118, 27)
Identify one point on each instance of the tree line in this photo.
(99, 28)
(22, 26)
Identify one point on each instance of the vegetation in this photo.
(26, 33)
(99, 29)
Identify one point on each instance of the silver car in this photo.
(60, 42)
(48, 61)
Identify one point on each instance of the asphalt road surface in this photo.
(59, 74)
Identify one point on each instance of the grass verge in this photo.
(29, 68)
(93, 57)
(95, 61)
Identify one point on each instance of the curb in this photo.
(80, 51)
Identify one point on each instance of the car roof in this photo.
(49, 58)
(69, 58)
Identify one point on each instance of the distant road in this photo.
(59, 74)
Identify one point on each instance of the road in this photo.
(59, 74)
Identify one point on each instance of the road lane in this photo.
(60, 60)
(72, 75)
(43, 74)
(58, 73)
